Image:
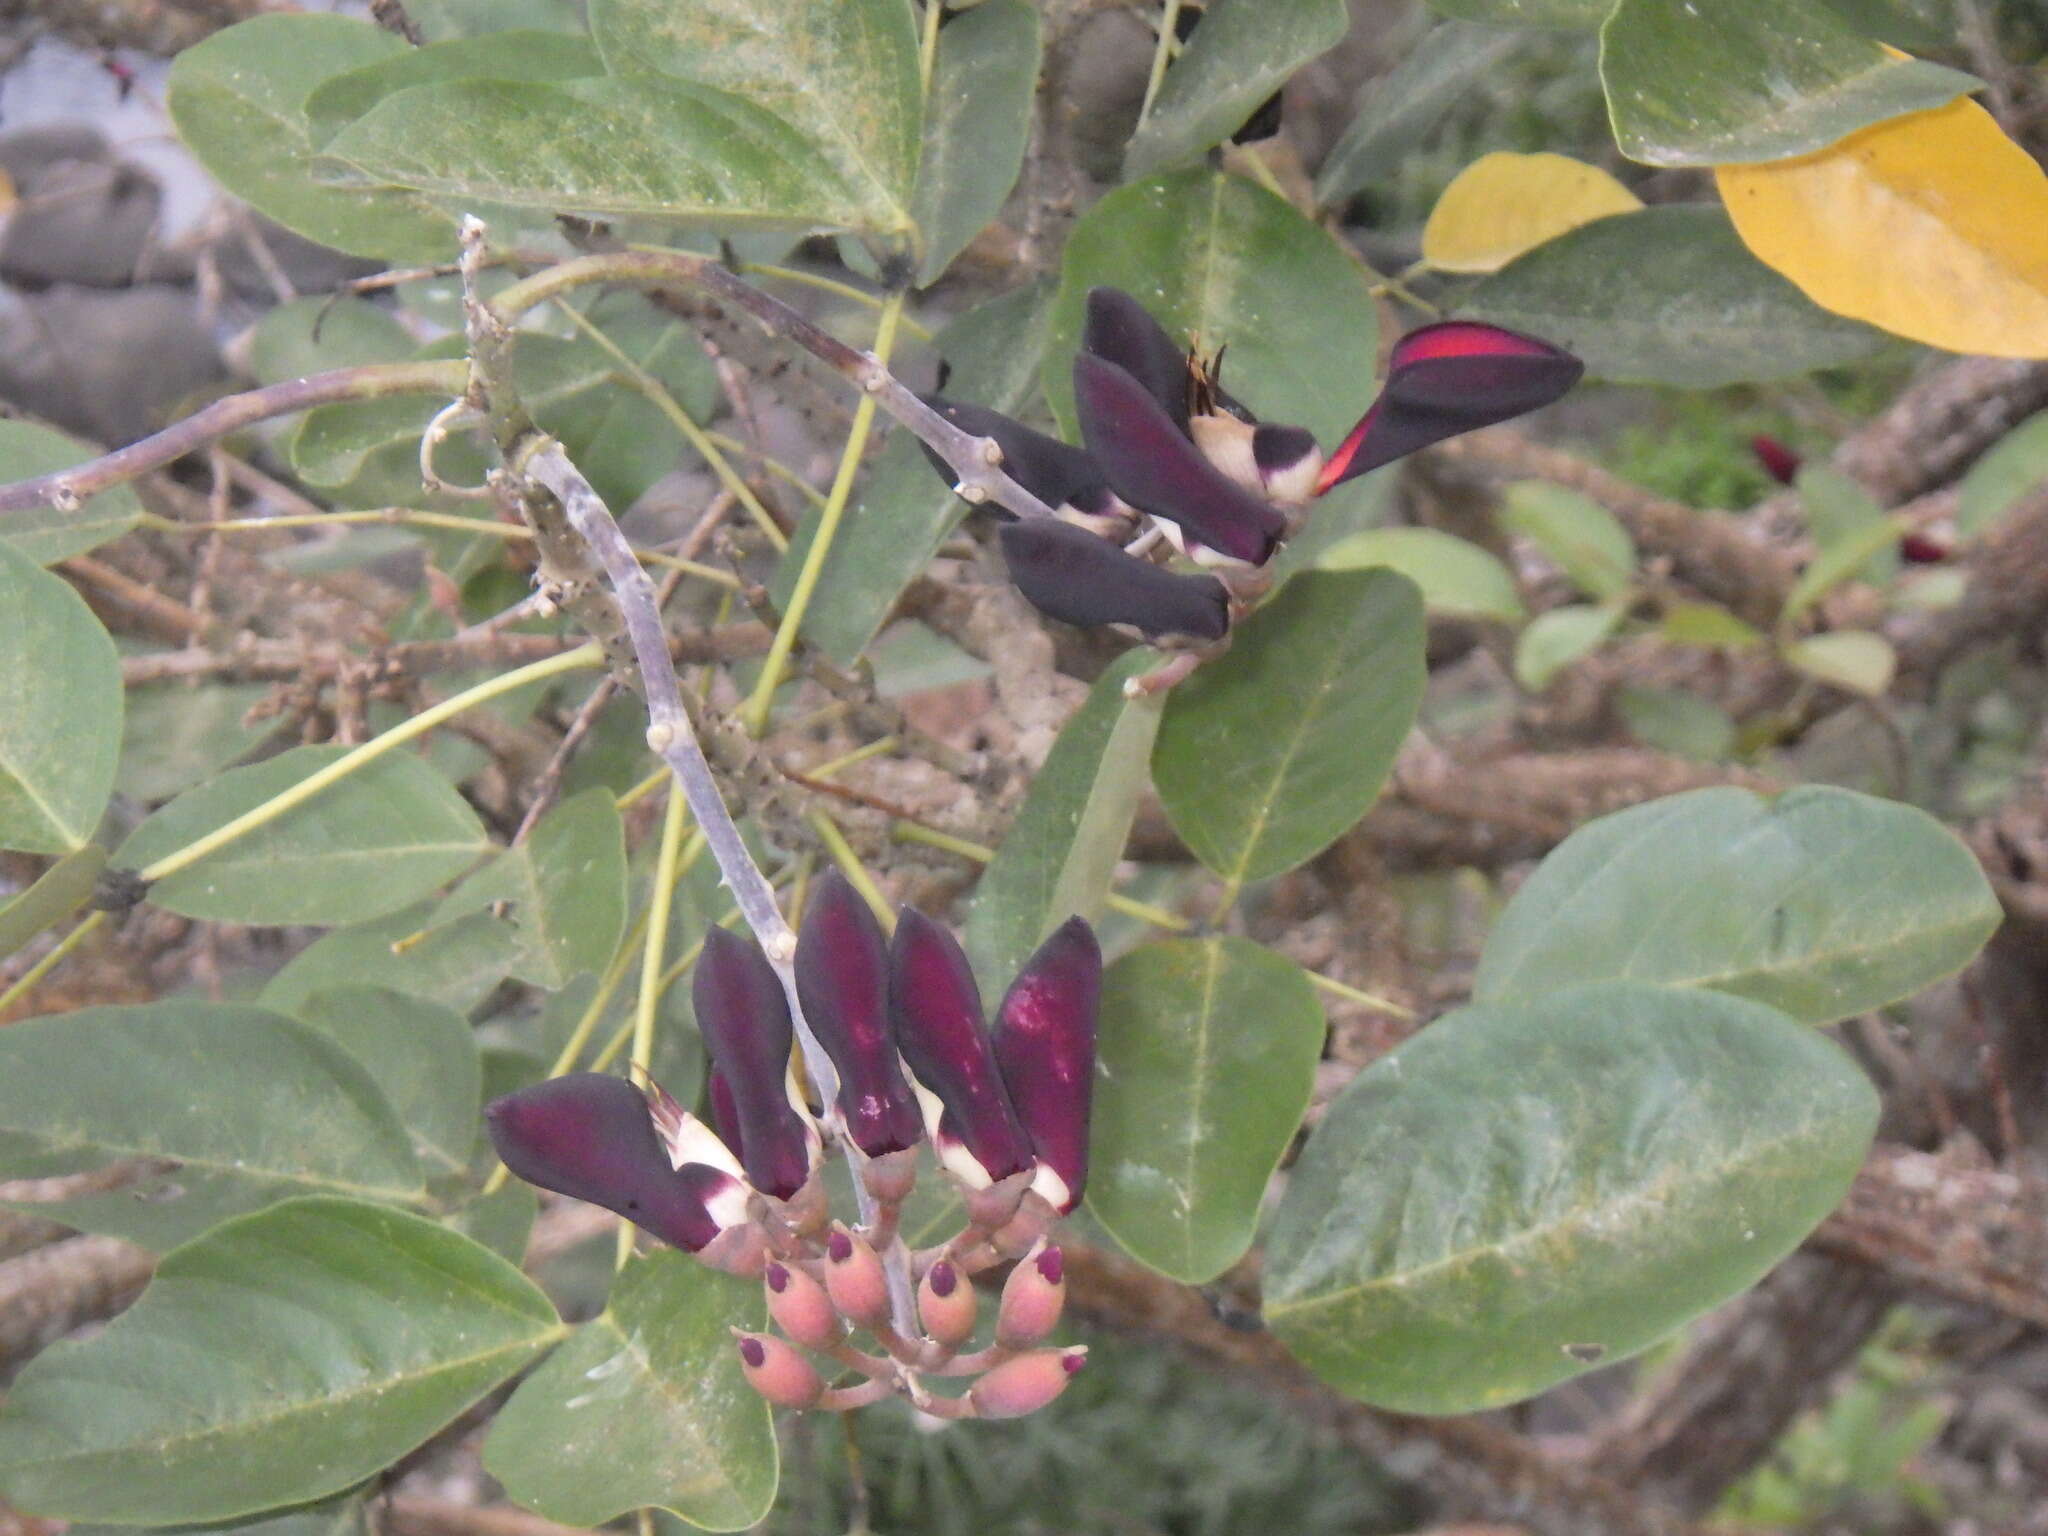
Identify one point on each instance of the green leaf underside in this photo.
(1746, 80)
(281, 1357)
(978, 120)
(1219, 260)
(1527, 1189)
(456, 964)
(423, 1057)
(245, 1107)
(175, 735)
(1822, 902)
(57, 892)
(1268, 754)
(1065, 844)
(645, 1407)
(45, 534)
(1206, 1056)
(1581, 537)
(516, 54)
(370, 843)
(1573, 14)
(60, 710)
(2017, 465)
(1457, 578)
(1555, 639)
(1243, 51)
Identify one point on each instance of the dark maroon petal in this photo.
(842, 979)
(744, 1019)
(1919, 549)
(590, 1136)
(1447, 378)
(938, 1029)
(1779, 462)
(1118, 330)
(1055, 472)
(725, 1114)
(1076, 577)
(1152, 464)
(1045, 1044)
(1277, 449)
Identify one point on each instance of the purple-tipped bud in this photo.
(854, 1278)
(938, 1029)
(1118, 329)
(1779, 462)
(1045, 1045)
(1151, 462)
(592, 1137)
(842, 979)
(800, 1307)
(1443, 379)
(775, 1370)
(1033, 1298)
(1071, 575)
(1027, 1383)
(1057, 473)
(946, 1305)
(744, 1019)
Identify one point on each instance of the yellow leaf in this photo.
(1933, 226)
(1504, 204)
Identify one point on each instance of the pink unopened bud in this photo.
(946, 1305)
(776, 1371)
(801, 1307)
(1026, 1384)
(853, 1276)
(1033, 1298)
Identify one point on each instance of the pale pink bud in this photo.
(853, 1276)
(946, 1305)
(800, 1307)
(776, 1371)
(1025, 1384)
(1033, 1297)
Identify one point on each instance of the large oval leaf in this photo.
(1504, 204)
(281, 1357)
(366, 845)
(457, 963)
(60, 710)
(1691, 84)
(1698, 310)
(1268, 754)
(1822, 902)
(1206, 1057)
(423, 1056)
(645, 1407)
(1527, 13)
(976, 122)
(1527, 1189)
(1059, 854)
(46, 534)
(1227, 264)
(1457, 578)
(520, 53)
(244, 1107)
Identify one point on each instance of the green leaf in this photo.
(1065, 844)
(1206, 1056)
(1457, 578)
(1578, 535)
(1271, 752)
(1851, 659)
(516, 54)
(1851, 553)
(1527, 1189)
(566, 885)
(366, 845)
(1838, 511)
(1243, 51)
(245, 1107)
(1921, 26)
(421, 1054)
(502, 1220)
(2014, 467)
(843, 72)
(45, 534)
(277, 1359)
(1220, 260)
(1675, 721)
(905, 509)
(457, 964)
(975, 126)
(1744, 80)
(1708, 624)
(441, 20)
(1528, 13)
(58, 892)
(238, 100)
(313, 335)
(1822, 902)
(606, 147)
(60, 710)
(645, 1407)
(175, 735)
(1559, 637)
(1698, 311)
(1398, 109)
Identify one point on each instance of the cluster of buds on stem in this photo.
(1173, 465)
(1006, 1111)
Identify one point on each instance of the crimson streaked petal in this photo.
(1779, 462)
(1055, 472)
(1152, 463)
(1447, 378)
(842, 980)
(744, 1019)
(1074, 576)
(938, 1029)
(1045, 1045)
(1118, 330)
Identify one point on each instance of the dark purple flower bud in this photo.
(1074, 576)
(1779, 462)
(744, 1019)
(725, 1114)
(842, 979)
(1447, 378)
(591, 1137)
(938, 1030)
(1057, 473)
(1150, 462)
(1045, 1045)
(1118, 330)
